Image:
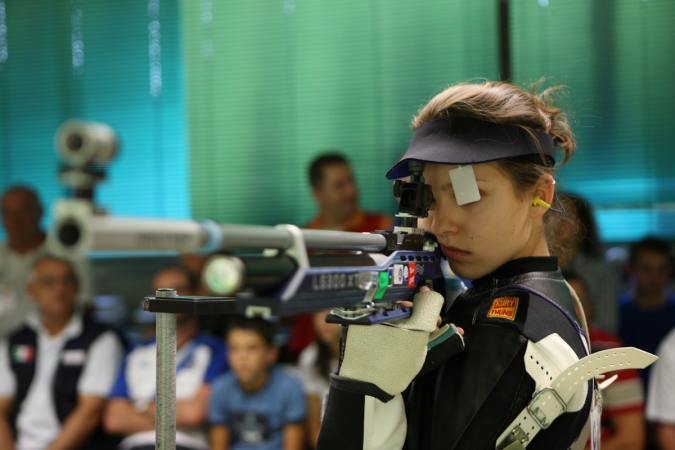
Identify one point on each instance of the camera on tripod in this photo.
(84, 149)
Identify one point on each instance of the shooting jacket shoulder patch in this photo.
(504, 308)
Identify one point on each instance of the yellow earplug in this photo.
(539, 202)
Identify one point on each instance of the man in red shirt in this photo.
(337, 196)
(623, 425)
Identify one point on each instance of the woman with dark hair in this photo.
(492, 371)
(583, 255)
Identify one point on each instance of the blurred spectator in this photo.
(26, 243)
(256, 405)
(623, 401)
(337, 196)
(661, 397)
(316, 362)
(579, 236)
(57, 370)
(199, 360)
(648, 312)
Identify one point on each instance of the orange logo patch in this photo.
(504, 308)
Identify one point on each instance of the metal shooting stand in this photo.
(167, 304)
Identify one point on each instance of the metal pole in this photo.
(166, 377)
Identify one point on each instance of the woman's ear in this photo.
(543, 195)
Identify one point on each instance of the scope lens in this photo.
(69, 234)
(74, 142)
(223, 275)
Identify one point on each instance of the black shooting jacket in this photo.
(466, 402)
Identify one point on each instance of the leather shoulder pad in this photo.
(545, 318)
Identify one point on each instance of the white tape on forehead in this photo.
(464, 184)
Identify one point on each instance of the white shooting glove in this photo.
(389, 356)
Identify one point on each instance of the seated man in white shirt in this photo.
(57, 370)
(661, 398)
(200, 358)
(25, 244)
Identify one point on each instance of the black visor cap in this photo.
(463, 141)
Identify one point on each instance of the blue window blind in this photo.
(272, 84)
(114, 62)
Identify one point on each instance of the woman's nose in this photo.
(444, 219)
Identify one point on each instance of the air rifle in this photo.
(287, 270)
(359, 276)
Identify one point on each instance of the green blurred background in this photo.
(220, 105)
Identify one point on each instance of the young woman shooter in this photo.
(489, 151)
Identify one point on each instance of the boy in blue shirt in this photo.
(256, 405)
(647, 313)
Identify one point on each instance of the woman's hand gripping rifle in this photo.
(382, 360)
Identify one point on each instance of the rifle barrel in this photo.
(136, 234)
